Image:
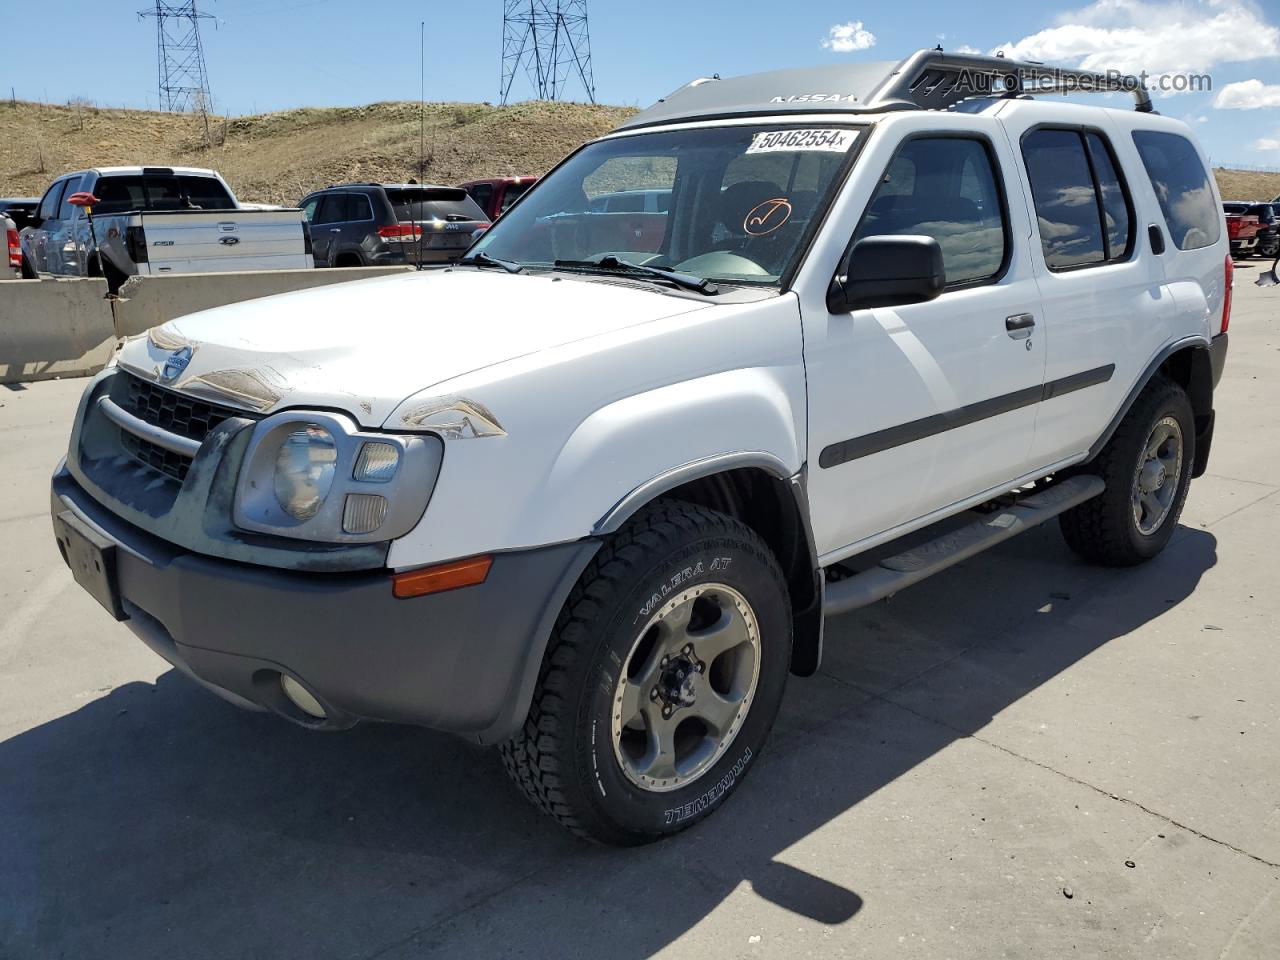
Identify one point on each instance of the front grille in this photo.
(158, 458)
(174, 412)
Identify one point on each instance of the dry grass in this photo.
(278, 157)
(1247, 185)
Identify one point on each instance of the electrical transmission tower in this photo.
(183, 81)
(550, 42)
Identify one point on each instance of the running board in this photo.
(894, 573)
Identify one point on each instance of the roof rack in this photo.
(926, 80)
(935, 80)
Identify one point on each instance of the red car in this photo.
(1242, 228)
(497, 193)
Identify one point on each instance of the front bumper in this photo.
(464, 661)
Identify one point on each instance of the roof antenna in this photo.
(938, 48)
(422, 130)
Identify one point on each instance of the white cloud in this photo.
(1267, 144)
(848, 37)
(1155, 36)
(965, 48)
(1248, 95)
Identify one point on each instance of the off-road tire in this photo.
(564, 758)
(1104, 530)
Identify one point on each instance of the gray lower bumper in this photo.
(463, 661)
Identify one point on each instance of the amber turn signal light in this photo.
(446, 576)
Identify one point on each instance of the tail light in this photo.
(135, 241)
(401, 233)
(15, 249)
(1229, 269)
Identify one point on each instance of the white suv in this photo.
(589, 494)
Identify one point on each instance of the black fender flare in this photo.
(1198, 374)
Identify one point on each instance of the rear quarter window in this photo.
(1182, 186)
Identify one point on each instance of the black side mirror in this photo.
(888, 271)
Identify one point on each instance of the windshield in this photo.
(734, 203)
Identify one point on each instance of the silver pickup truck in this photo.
(157, 220)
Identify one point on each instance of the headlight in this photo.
(304, 470)
(317, 476)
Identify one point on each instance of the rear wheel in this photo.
(1147, 466)
(661, 681)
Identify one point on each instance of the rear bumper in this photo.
(463, 661)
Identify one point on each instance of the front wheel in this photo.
(1147, 467)
(661, 681)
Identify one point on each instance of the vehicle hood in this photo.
(364, 346)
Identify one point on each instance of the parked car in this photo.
(1243, 227)
(1268, 215)
(19, 209)
(592, 504)
(383, 224)
(496, 194)
(11, 265)
(153, 221)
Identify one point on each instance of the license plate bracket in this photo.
(92, 558)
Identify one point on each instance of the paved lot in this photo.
(1025, 757)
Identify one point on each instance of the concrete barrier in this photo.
(54, 328)
(147, 302)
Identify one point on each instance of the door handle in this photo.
(1156, 239)
(335, 229)
(1020, 325)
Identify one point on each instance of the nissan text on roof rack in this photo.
(589, 494)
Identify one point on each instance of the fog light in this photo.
(377, 462)
(301, 697)
(363, 513)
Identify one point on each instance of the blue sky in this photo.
(274, 54)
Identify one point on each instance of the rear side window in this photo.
(1083, 209)
(65, 210)
(513, 193)
(1117, 215)
(481, 193)
(1182, 187)
(49, 205)
(356, 208)
(331, 208)
(945, 188)
(438, 204)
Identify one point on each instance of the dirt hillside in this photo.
(278, 157)
(1247, 185)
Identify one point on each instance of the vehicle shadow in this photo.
(159, 822)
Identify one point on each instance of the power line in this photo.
(550, 42)
(183, 81)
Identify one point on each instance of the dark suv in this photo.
(381, 224)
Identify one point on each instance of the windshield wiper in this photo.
(483, 259)
(611, 264)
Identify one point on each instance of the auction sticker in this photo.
(790, 141)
